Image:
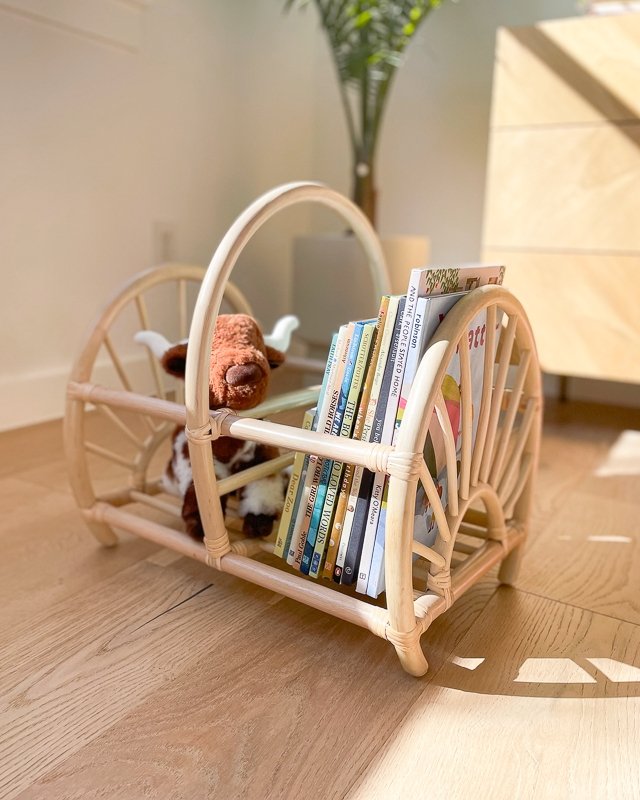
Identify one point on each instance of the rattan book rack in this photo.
(486, 519)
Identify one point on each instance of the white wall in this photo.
(433, 151)
(432, 157)
(100, 145)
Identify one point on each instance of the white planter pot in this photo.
(332, 283)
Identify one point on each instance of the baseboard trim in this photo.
(40, 396)
(587, 390)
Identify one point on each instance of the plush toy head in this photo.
(241, 358)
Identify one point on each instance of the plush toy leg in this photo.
(191, 514)
(257, 524)
(261, 501)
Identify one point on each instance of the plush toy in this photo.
(241, 362)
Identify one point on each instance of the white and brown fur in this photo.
(260, 502)
(241, 362)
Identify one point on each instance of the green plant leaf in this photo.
(368, 40)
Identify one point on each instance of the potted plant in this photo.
(368, 39)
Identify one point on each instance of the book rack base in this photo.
(486, 519)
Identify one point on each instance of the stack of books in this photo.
(334, 517)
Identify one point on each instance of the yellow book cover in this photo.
(347, 477)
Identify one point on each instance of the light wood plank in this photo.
(47, 553)
(99, 655)
(263, 716)
(580, 70)
(564, 188)
(600, 327)
(487, 730)
(589, 555)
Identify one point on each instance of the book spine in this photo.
(398, 357)
(335, 533)
(325, 422)
(414, 354)
(368, 507)
(432, 310)
(351, 355)
(347, 523)
(373, 433)
(322, 482)
(291, 537)
(336, 524)
(280, 547)
(348, 422)
(375, 580)
(359, 473)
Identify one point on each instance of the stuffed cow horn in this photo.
(156, 342)
(280, 337)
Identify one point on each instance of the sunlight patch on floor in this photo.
(623, 458)
(616, 671)
(552, 670)
(611, 539)
(606, 538)
(467, 663)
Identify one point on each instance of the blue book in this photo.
(327, 464)
(289, 549)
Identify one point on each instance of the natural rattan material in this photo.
(492, 503)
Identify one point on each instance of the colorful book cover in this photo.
(360, 472)
(371, 487)
(335, 533)
(327, 406)
(355, 331)
(437, 281)
(284, 528)
(291, 539)
(430, 311)
(432, 307)
(348, 422)
(425, 527)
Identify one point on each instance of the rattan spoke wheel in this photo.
(161, 298)
(490, 487)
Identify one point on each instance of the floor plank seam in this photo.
(173, 607)
(577, 607)
(19, 476)
(430, 677)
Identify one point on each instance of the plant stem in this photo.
(364, 193)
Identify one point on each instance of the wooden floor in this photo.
(133, 673)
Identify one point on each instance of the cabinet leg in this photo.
(510, 567)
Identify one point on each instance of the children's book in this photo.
(284, 528)
(348, 421)
(437, 281)
(437, 291)
(372, 486)
(359, 495)
(292, 534)
(425, 527)
(355, 333)
(335, 532)
(430, 311)
(327, 406)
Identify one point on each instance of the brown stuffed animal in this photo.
(241, 362)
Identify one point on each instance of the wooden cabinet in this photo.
(562, 207)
